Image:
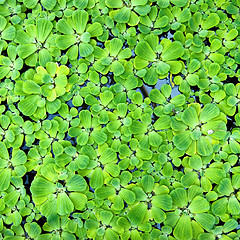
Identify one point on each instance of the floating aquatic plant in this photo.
(119, 119)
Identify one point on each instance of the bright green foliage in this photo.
(119, 119)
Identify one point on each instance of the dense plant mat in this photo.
(119, 119)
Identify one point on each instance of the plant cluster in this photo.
(119, 119)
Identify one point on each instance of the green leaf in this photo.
(95, 29)
(189, 178)
(109, 155)
(140, 63)
(79, 200)
(182, 140)
(5, 179)
(64, 204)
(99, 137)
(111, 235)
(151, 76)
(225, 187)
(97, 178)
(104, 192)
(127, 195)
(76, 183)
(57, 148)
(31, 87)
(4, 70)
(137, 214)
(199, 205)
(147, 183)
(162, 68)
(85, 49)
(117, 68)
(44, 27)
(204, 147)
(106, 97)
(82, 161)
(137, 127)
(179, 197)
(172, 51)
(233, 33)
(122, 15)
(178, 100)
(25, 50)
(219, 207)
(18, 157)
(64, 27)
(179, 3)
(233, 206)
(195, 162)
(77, 101)
(114, 4)
(163, 122)
(230, 225)
(80, 4)
(85, 118)
(144, 51)
(11, 198)
(63, 42)
(33, 229)
(114, 46)
(215, 174)
(183, 229)
(211, 21)
(190, 117)
(162, 201)
(48, 4)
(44, 57)
(118, 203)
(232, 9)
(158, 215)
(206, 220)
(157, 97)
(154, 139)
(28, 105)
(3, 23)
(42, 187)
(184, 16)
(9, 33)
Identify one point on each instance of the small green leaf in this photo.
(190, 117)
(76, 183)
(137, 214)
(64, 204)
(5, 179)
(206, 220)
(109, 155)
(182, 140)
(147, 183)
(144, 51)
(162, 201)
(199, 205)
(172, 51)
(183, 229)
(41, 187)
(225, 187)
(204, 147)
(44, 27)
(104, 192)
(179, 197)
(28, 105)
(63, 42)
(211, 21)
(26, 50)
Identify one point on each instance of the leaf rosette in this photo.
(59, 197)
